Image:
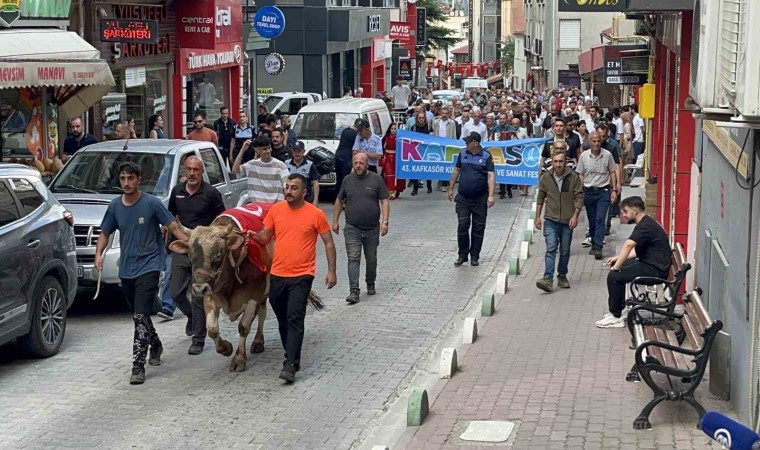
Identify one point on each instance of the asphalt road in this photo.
(354, 359)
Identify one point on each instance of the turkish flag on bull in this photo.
(439, 65)
(429, 68)
(451, 70)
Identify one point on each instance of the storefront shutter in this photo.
(569, 34)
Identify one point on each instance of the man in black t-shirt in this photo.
(366, 200)
(646, 253)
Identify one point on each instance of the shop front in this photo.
(139, 42)
(209, 60)
(47, 76)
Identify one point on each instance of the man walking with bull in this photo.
(295, 224)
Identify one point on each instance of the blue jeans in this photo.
(597, 202)
(638, 149)
(167, 302)
(557, 235)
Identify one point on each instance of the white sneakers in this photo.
(586, 242)
(610, 321)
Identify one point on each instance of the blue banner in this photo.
(425, 157)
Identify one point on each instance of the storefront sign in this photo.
(373, 23)
(613, 64)
(383, 48)
(592, 5)
(134, 76)
(141, 12)
(10, 11)
(421, 27)
(192, 60)
(129, 30)
(159, 104)
(206, 23)
(269, 22)
(264, 91)
(113, 113)
(274, 63)
(131, 50)
(36, 73)
(402, 32)
(405, 68)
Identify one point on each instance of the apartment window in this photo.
(569, 34)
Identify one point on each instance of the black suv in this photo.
(38, 267)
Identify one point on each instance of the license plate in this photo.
(80, 271)
(328, 177)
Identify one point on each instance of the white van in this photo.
(290, 102)
(474, 82)
(319, 125)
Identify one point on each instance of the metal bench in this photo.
(658, 293)
(678, 354)
(631, 169)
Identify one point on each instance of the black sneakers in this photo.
(353, 297)
(288, 372)
(474, 262)
(461, 260)
(371, 289)
(155, 354)
(196, 348)
(138, 375)
(562, 281)
(189, 327)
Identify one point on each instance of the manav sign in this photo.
(33, 10)
(592, 5)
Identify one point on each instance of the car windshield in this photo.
(97, 172)
(271, 103)
(323, 125)
(448, 97)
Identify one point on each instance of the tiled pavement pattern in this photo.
(541, 362)
(355, 357)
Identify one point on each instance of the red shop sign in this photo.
(192, 60)
(207, 23)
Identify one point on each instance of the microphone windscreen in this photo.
(728, 432)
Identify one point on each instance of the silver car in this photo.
(38, 267)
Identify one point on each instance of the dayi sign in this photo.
(426, 157)
(206, 23)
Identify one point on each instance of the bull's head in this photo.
(209, 249)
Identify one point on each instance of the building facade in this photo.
(328, 46)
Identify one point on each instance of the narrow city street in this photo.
(355, 357)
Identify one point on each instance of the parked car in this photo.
(38, 268)
(319, 126)
(90, 180)
(474, 83)
(446, 96)
(290, 102)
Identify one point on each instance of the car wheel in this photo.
(48, 319)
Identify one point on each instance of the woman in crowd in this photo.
(421, 125)
(627, 135)
(156, 127)
(583, 133)
(395, 186)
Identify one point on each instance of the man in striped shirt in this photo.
(266, 175)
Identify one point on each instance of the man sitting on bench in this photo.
(646, 253)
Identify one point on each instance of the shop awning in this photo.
(591, 60)
(462, 49)
(54, 58)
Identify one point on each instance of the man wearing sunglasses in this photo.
(201, 132)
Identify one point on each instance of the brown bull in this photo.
(227, 281)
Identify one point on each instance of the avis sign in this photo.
(402, 32)
(206, 23)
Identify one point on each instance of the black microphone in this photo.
(730, 433)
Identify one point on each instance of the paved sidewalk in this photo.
(541, 362)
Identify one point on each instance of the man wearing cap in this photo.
(299, 164)
(474, 170)
(368, 143)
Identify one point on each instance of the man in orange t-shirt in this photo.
(201, 132)
(295, 225)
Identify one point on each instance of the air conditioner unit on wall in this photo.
(744, 16)
(705, 48)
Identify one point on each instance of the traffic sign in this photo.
(269, 22)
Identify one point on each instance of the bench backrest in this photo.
(700, 329)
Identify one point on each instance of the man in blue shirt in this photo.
(368, 143)
(138, 218)
(475, 172)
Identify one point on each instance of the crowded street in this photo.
(357, 358)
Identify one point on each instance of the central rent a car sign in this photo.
(206, 23)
